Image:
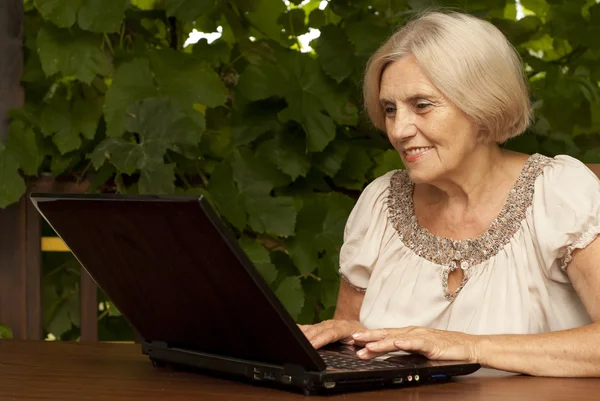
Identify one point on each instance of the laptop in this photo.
(179, 277)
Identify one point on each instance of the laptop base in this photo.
(292, 377)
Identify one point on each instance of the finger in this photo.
(382, 346)
(333, 332)
(369, 336)
(415, 345)
(367, 354)
(347, 341)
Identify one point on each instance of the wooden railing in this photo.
(21, 270)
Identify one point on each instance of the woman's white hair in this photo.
(470, 61)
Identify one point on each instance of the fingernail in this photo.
(356, 335)
(362, 352)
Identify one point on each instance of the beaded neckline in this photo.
(452, 254)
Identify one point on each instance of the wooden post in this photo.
(11, 59)
(20, 300)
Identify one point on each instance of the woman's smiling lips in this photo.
(413, 154)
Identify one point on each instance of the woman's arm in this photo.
(574, 352)
(349, 302)
(567, 353)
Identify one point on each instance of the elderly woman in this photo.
(473, 252)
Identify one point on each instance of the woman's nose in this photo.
(403, 129)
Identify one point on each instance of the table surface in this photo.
(38, 370)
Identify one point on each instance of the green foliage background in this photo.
(273, 137)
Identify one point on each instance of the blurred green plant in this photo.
(5, 332)
(274, 137)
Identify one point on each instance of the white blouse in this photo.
(515, 279)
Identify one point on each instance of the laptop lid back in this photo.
(177, 275)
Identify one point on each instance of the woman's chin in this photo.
(419, 176)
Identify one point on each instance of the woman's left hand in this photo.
(432, 343)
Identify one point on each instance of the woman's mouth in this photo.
(413, 154)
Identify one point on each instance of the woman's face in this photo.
(431, 134)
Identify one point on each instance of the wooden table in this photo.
(37, 370)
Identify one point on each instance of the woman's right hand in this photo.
(330, 331)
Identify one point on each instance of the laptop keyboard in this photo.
(353, 363)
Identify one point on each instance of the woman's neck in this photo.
(476, 181)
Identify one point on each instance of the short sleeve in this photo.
(363, 233)
(566, 208)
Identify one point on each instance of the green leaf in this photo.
(256, 120)
(312, 297)
(331, 159)
(352, 174)
(309, 95)
(186, 79)
(293, 21)
(316, 18)
(366, 36)
(158, 179)
(112, 309)
(5, 331)
(97, 16)
(539, 7)
(60, 322)
(160, 127)
(269, 215)
(320, 129)
(214, 53)
(261, 81)
(387, 161)
(62, 13)
(85, 115)
(146, 4)
(66, 140)
(320, 228)
(260, 258)
(519, 31)
(189, 10)
(22, 143)
(65, 124)
(55, 117)
(303, 251)
(288, 153)
(339, 207)
(152, 118)
(12, 186)
(72, 53)
(264, 18)
(254, 175)
(127, 157)
(336, 53)
(132, 82)
(222, 187)
(291, 295)
(60, 163)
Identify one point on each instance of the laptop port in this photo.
(398, 380)
(329, 384)
(269, 375)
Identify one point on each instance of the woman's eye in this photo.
(389, 109)
(423, 105)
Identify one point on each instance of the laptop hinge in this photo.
(293, 369)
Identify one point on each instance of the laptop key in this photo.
(344, 362)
